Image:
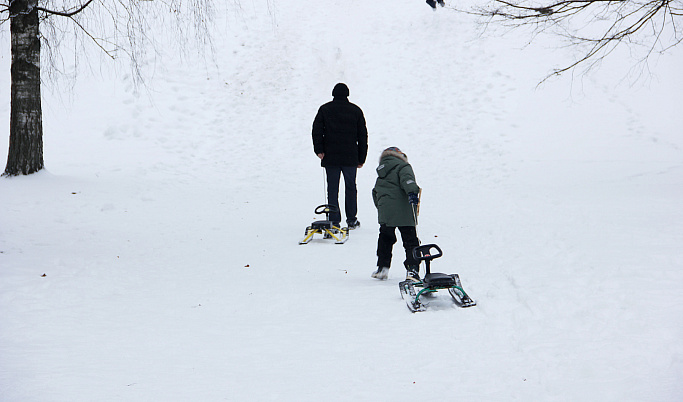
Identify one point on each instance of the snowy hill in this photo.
(157, 260)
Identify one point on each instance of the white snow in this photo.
(156, 258)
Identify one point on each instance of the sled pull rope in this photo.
(325, 186)
(414, 207)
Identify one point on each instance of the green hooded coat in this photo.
(390, 194)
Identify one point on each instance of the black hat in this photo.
(340, 90)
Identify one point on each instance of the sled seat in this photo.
(438, 280)
(326, 209)
(321, 225)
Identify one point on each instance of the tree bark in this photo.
(26, 117)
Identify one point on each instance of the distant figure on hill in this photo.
(340, 139)
(432, 3)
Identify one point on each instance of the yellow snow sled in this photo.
(327, 228)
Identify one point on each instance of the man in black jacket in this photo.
(340, 139)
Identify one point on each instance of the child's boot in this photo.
(382, 273)
(413, 273)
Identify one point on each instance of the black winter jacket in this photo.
(339, 132)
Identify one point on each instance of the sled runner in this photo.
(432, 282)
(327, 228)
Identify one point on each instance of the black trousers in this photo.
(350, 191)
(387, 239)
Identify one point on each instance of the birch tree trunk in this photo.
(26, 117)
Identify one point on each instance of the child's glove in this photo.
(413, 198)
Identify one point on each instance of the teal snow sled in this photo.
(432, 282)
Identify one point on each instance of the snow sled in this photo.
(327, 228)
(432, 282)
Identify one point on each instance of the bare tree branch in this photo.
(95, 40)
(66, 13)
(649, 23)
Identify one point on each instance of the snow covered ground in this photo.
(156, 258)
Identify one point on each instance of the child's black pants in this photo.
(385, 244)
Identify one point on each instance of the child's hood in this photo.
(389, 161)
(389, 152)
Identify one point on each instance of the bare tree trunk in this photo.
(26, 116)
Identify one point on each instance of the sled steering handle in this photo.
(326, 209)
(427, 252)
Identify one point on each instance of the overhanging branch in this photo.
(66, 13)
(628, 22)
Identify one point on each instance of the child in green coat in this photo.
(396, 197)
